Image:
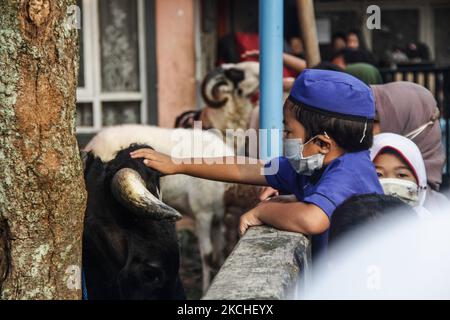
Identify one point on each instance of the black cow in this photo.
(130, 246)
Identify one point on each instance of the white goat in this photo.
(200, 198)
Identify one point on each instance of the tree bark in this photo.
(42, 193)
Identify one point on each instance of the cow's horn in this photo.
(212, 88)
(129, 189)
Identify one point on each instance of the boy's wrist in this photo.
(258, 211)
(180, 168)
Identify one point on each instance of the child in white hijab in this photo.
(401, 169)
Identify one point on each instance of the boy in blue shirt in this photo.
(332, 112)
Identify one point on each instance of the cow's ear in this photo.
(84, 158)
(159, 174)
(87, 158)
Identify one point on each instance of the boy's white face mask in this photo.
(405, 190)
(293, 151)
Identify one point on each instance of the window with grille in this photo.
(112, 80)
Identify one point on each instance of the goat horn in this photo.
(129, 189)
(211, 85)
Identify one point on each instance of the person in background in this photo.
(410, 110)
(293, 43)
(350, 61)
(418, 52)
(393, 57)
(295, 47)
(325, 65)
(338, 42)
(292, 65)
(356, 42)
(353, 39)
(347, 56)
(365, 72)
(401, 170)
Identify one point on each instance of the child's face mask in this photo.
(405, 190)
(293, 151)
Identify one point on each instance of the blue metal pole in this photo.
(271, 77)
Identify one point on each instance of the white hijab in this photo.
(411, 154)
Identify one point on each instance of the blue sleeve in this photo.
(281, 176)
(333, 189)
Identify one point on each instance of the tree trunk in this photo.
(308, 31)
(42, 194)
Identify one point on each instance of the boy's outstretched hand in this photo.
(156, 160)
